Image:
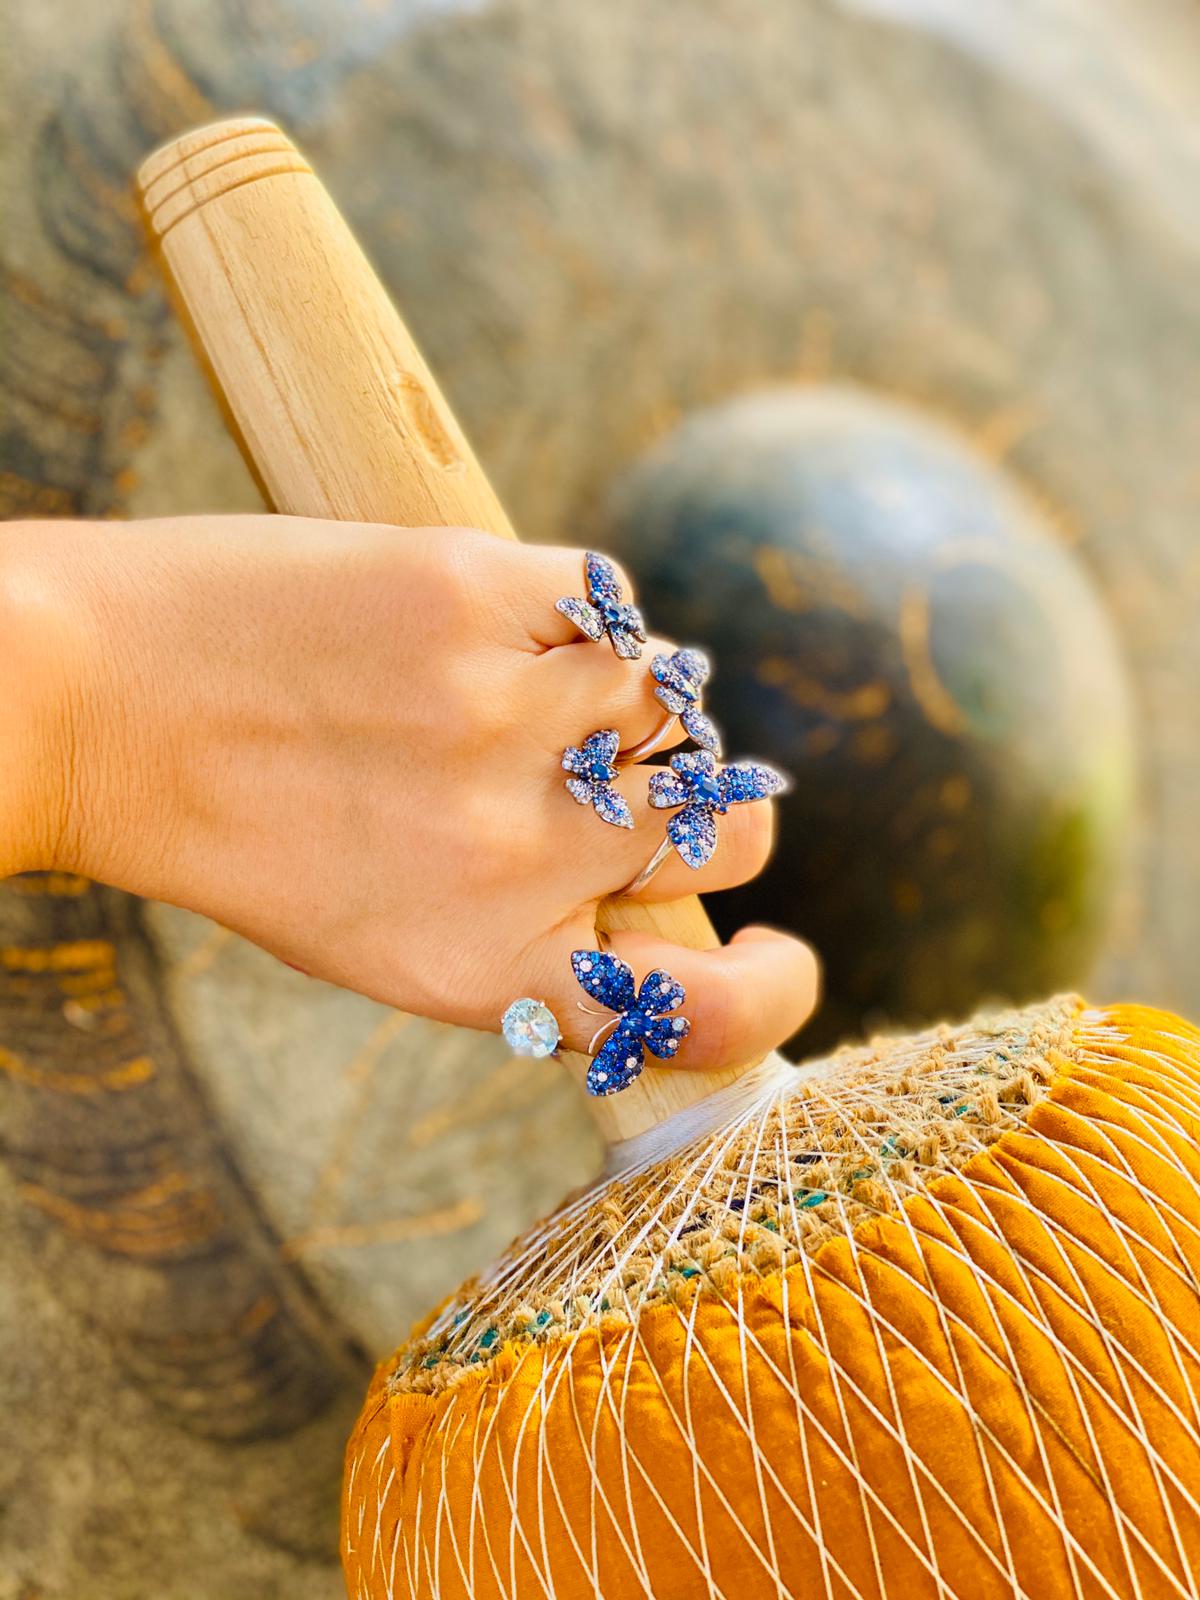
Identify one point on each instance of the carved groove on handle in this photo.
(202, 145)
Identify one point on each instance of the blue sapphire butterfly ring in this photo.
(592, 768)
(639, 1019)
(635, 1019)
(603, 612)
(678, 682)
(699, 791)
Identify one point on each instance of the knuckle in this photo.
(480, 585)
(451, 577)
(496, 581)
(729, 1018)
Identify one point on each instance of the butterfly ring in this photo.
(604, 612)
(592, 766)
(699, 791)
(679, 678)
(639, 1021)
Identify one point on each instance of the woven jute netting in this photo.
(812, 1153)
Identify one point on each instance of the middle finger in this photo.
(603, 859)
(580, 688)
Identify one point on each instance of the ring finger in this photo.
(580, 688)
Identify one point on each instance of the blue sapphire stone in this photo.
(601, 772)
(707, 790)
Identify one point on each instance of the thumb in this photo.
(741, 999)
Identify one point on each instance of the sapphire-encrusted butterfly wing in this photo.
(601, 576)
(701, 729)
(669, 697)
(602, 747)
(617, 1063)
(680, 677)
(674, 688)
(692, 765)
(693, 667)
(579, 785)
(605, 977)
(667, 790)
(660, 992)
(585, 617)
(749, 781)
(693, 832)
(611, 805)
(664, 1035)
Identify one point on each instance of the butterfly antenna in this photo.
(600, 1032)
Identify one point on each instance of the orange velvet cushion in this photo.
(969, 1367)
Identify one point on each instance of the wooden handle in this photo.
(335, 410)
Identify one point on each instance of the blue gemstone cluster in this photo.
(604, 612)
(704, 791)
(593, 768)
(642, 1022)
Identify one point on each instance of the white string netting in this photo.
(810, 1155)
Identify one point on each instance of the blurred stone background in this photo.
(227, 1189)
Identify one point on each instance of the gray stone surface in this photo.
(391, 1154)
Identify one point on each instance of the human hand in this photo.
(343, 741)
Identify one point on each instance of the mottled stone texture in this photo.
(226, 1187)
(928, 663)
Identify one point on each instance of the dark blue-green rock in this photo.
(895, 625)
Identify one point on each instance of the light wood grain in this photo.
(335, 409)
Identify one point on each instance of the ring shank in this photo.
(651, 867)
(649, 745)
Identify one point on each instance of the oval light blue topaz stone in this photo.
(530, 1028)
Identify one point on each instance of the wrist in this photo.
(45, 697)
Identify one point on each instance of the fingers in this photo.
(601, 859)
(740, 1000)
(580, 688)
